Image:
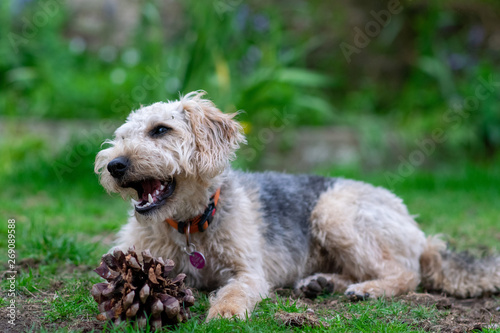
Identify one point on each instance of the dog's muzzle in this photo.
(151, 193)
(118, 167)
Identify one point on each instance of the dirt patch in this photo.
(299, 319)
(451, 314)
(457, 315)
(26, 264)
(30, 313)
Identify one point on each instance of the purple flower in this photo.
(457, 61)
(242, 17)
(476, 36)
(260, 23)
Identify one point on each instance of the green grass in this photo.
(63, 228)
(65, 221)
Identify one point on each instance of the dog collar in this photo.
(200, 222)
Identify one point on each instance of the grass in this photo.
(63, 228)
(65, 221)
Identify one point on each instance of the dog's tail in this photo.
(458, 274)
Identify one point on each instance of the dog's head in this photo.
(164, 151)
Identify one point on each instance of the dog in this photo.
(242, 234)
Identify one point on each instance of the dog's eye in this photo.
(159, 131)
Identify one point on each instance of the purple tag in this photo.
(197, 259)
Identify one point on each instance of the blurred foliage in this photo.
(434, 66)
(281, 64)
(49, 78)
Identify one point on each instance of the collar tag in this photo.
(197, 259)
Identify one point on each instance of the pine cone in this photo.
(138, 291)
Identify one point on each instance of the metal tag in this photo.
(197, 259)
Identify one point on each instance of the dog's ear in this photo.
(217, 135)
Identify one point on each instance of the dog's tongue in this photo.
(150, 186)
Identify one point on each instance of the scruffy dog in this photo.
(256, 231)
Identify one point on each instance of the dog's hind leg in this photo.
(393, 284)
(371, 237)
(398, 283)
(320, 283)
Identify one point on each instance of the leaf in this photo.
(304, 77)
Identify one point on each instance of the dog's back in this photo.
(285, 206)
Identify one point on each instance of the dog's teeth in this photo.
(150, 198)
(135, 202)
(157, 192)
(162, 188)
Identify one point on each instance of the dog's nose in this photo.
(118, 166)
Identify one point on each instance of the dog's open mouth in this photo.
(152, 193)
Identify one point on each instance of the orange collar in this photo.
(200, 222)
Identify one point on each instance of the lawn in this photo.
(431, 67)
(64, 225)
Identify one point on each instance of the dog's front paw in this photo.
(227, 310)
